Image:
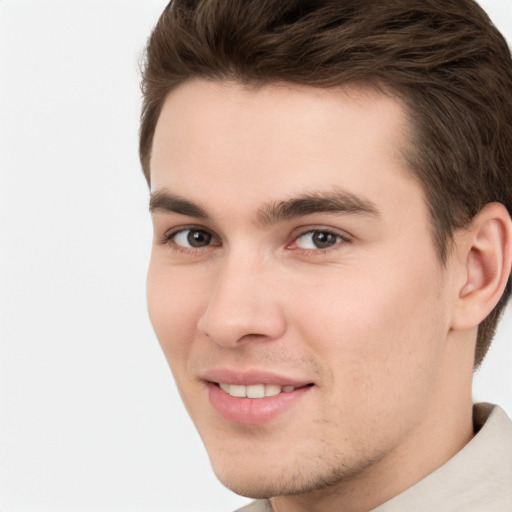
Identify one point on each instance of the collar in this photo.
(476, 479)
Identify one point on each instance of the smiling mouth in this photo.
(256, 390)
(258, 400)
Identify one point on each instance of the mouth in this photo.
(256, 390)
(253, 398)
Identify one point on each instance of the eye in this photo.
(318, 239)
(192, 238)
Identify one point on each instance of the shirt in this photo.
(476, 479)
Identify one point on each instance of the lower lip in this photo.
(252, 411)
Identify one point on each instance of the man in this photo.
(331, 188)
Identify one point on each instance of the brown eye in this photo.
(318, 239)
(192, 238)
(322, 239)
(198, 238)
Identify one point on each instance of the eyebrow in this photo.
(163, 201)
(334, 201)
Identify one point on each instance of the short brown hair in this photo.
(447, 62)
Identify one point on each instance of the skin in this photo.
(373, 321)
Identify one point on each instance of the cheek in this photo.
(174, 306)
(375, 330)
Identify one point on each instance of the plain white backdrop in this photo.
(89, 416)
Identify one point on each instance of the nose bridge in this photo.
(242, 304)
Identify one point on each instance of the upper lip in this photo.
(250, 377)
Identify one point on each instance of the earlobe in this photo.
(487, 257)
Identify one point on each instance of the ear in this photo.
(485, 253)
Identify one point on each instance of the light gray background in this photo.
(89, 416)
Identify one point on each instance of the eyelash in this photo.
(169, 239)
(341, 239)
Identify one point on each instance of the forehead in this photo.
(226, 139)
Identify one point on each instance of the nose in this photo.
(243, 305)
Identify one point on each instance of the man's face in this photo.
(293, 255)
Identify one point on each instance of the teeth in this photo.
(238, 391)
(272, 390)
(254, 391)
(224, 387)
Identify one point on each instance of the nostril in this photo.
(230, 320)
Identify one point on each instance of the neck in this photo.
(447, 426)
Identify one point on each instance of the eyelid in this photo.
(167, 237)
(343, 235)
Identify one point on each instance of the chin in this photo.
(254, 485)
(265, 480)
(254, 490)
(247, 475)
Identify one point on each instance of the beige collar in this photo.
(476, 479)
